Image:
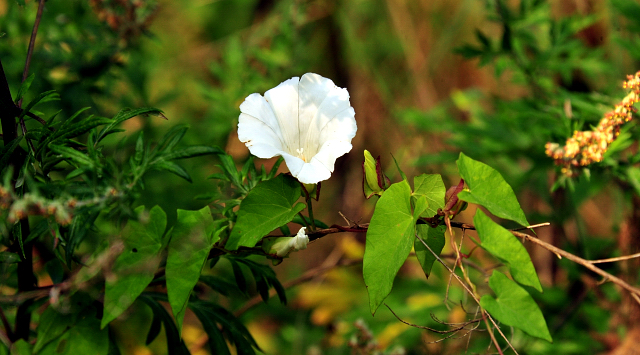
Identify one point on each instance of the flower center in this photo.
(301, 155)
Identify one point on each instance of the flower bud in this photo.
(374, 182)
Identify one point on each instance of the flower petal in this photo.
(257, 107)
(253, 131)
(283, 100)
(320, 102)
(312, 172)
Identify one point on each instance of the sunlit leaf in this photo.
(488, 188)
(389, 240)
(515, 307)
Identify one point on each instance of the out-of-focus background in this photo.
(428, 79)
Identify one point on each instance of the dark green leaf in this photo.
(51, 326)
(73, 155)
(434, 237)
(175, 345)
(8, 257)
(193, 236)
(24, 88)
(172, 168)
(154, 330)
(135, 268)
(192, 151)
(6, 151)
(269, 205)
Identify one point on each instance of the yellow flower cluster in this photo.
(587, 147)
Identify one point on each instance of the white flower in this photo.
(284, 245)
(308, 121)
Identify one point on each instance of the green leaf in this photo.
(389, 240)
(230, 170)
(7, 150)
(74, 129)
(210, 315)
(85, 337)
(172, 168)
(122, 116)
(135, 268)
(434, 237)
(175, 345)
(488, 188)
(193, 236)
(192, 151)
(24, 88)
(73, 155)
(267, 206)
(52, 325)
(506, 247)
(515, 307)
(432, 187)
(8, 257)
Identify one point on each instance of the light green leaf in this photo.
(193, 236)
(488, 188)
(434, 237)
(515, 307)
(506, 247)
(432, 187)
(136, 266)
(269, 205)
(389, 240)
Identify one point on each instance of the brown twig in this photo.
(578, 260)
(611, 260)
(460, 327)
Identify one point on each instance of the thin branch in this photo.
(578, 260)
(611, 260)
(32, 42)
(493, 336)
(454, 330)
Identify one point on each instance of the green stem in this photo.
(310, 209)
(304, 220)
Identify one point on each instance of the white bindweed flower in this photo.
(282, 246)
(308, 121)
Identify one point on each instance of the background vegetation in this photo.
(428, 79)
